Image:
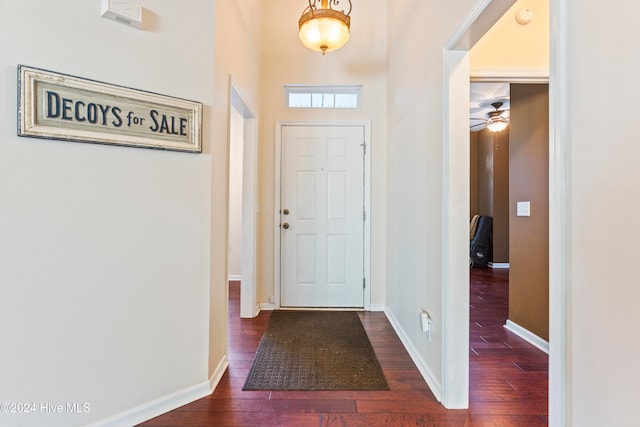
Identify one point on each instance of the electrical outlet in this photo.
(425, 323)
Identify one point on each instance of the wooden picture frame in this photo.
(59, 106)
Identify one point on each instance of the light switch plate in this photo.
(523, 209)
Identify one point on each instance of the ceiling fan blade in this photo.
(479, 124)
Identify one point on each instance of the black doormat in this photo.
(315, 350)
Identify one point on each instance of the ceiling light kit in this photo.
(496, 122)
(323, 26)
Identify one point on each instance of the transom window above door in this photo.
(321, 96)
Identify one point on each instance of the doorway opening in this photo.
(243, 163)
(509, 183)
(456, 193)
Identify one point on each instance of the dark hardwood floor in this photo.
(508, 378)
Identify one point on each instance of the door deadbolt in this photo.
(285, 225)
(286, 211)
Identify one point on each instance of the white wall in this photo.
(236, 141)
(361, 61)
(602, 205)
(104, 250)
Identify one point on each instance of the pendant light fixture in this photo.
(323, 26)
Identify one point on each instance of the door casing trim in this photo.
(237, 101)
(366, 126)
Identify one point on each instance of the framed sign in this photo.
(58, 106)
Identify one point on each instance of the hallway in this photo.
(507, 375)
(508, 378)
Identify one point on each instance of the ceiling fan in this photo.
(496, 120)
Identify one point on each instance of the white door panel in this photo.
(322, 188)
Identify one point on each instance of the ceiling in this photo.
(482, 96)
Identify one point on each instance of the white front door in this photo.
(322, 216)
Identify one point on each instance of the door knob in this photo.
(286, 211)
(285, 225)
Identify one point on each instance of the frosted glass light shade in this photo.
(497, 124)
(324, 30)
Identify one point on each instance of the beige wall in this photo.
(602, 202)
(511, 49)
(286, 61)
(238, 27)
(529, 181)
(417, 32)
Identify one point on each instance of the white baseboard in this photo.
(267, 306)
(259, 307)
(166, 403)
(234, 278)
(156, 407)
(217, 374)
(498, 265)
(426, 373)
(528, 336)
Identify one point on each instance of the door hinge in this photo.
(364, 283)
(364, 215)
(364, 147)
